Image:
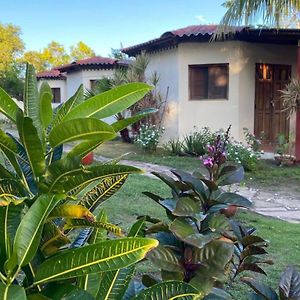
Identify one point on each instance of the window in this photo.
(56, 95)
(93, 84)
(208, 81)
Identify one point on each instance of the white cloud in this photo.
(201, 19)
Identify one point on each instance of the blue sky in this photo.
(104, 24)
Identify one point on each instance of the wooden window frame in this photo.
(206, 66)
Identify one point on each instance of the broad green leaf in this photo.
(187, 207)
(73, 211)
(9, 148)
(80, 129)
(187, 231)
(169, 181)
(99, 234)
(114, 284)
(138, 228)
(45, 107)
(261, 289)
(213, 258)
(8, 107)
(111, 102)
(169, 290)
(102, 191)
(124, 123)
(100, 257)
(10, 218)
(67, 106)
(32, 145)
(166, 259)
(74, 180)
(230, 174)
(289, 285)
(37, 297)
(233, 198)
(79, 223)
(31, 99)
(217, 294)
(12, 292)
(29, 232)
(65, 291)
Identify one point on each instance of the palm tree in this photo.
(269, 12)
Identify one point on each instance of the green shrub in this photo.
(174, 146)
(148, 136)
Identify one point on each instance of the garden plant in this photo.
(52, 245)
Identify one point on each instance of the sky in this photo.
(104, 24)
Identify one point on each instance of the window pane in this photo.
(217, 82)
(198, 82)
(56, 95)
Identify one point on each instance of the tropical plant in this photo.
(291, 96)
(202, 240)
(246, 12)
(47, 199)
(289, 287)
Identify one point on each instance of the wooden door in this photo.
(270, 119)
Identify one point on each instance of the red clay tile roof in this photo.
(54, 73)
(203, 33)
(96, 62)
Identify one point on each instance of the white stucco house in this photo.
(230, 81)
(65, 80)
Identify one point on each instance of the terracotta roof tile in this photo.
(54, 73)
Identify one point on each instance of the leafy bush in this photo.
(46, 198)
(202, 245)
(148, 136)
(198, 142)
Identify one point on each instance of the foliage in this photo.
(201, 242)
(252, 140)
(291, 96)
(51, 243)
(148, 136)
(289, 287)
(55, 55)
(246, 12)
(285, 146)
(11, 46)
(197, 144)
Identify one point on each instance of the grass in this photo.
(129, 203)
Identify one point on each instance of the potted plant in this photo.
(284, 152)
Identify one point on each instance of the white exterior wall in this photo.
(165, 63)
(238, 110)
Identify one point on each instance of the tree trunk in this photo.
(125, 135)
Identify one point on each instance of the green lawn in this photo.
(284, 238)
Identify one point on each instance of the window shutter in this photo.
(198, 82)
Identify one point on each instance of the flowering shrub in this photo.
(252, 140)
(240, 154)
(148, 136)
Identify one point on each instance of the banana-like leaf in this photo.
(67, 106)
(102, 191)
(111, 102)
(80, 129)
(88, 146)
(100, 257)
(5, 173)
(122, 124)
(77, 179)
(10, 218)
(45, 107)
(169, 290)
(32, 145)
(72, 211)
(29, 232)
(289, 285)
(79, 223)
(9, 148)
(12, 292)
(8, 107)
